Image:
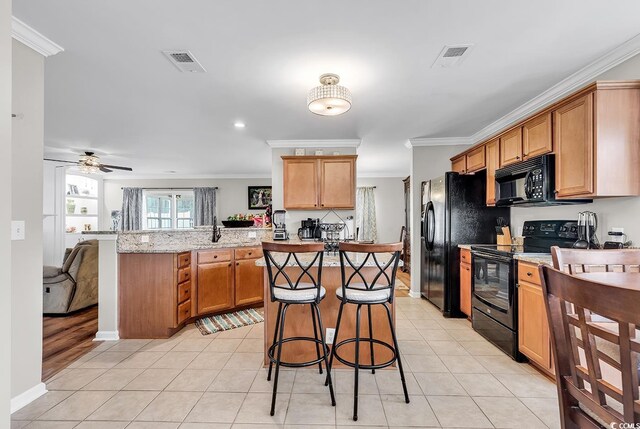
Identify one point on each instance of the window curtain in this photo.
(204, 206)
(366, 214)
(131, 209)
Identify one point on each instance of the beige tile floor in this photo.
(455, 379)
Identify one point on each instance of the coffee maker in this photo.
(279, 225)
(310, 230)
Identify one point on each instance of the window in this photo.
(168, 210)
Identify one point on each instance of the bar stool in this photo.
(361, 289)
(286, 291)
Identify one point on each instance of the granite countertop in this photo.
(535, 258)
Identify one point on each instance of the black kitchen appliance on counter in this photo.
(530, 183)
(310, 230)
(454, 211)
(494, 281)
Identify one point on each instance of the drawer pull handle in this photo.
(215, 256)
(529, 274)
(249, 253)
(237, 263)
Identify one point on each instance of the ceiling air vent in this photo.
(184, 61)
(452, 56)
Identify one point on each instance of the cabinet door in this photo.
(573, 135)
(215, 287)
(536, 136)
(338, 183)
(476, 159)
(459, 165)
(465, 289)
(300, 183)
(533, 328)
(249, 282)
(511, 147)
(493, 163)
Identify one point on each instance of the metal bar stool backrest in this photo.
(357, 256)
(280, 256)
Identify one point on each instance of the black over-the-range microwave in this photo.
(529, 183)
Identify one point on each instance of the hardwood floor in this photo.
(406, 279)
(66, 338)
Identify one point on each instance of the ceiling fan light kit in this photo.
(329, 99)
(89, 163)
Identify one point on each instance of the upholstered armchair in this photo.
(74, 286)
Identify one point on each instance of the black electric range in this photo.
(495, 272)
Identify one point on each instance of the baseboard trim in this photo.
(107, 336)
(27, 397)
(413, 294)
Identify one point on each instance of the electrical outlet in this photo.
(144, 239)
(252, 234)
(330, 335)
(17, 230)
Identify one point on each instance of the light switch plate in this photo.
(144, 239)
(330, 335)
(17, 230)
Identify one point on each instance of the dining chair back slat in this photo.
(576, 261)
(596, 362)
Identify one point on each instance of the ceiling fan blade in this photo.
(116, 167)
(104, 169)
(61, 160)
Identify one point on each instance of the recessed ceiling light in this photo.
(239, 124)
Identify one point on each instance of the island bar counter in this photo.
(299, 321)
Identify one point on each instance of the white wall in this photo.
(427, 162)
(389, 195)
(295, 216)
(231, 197)
(5, 215)
(26, 204)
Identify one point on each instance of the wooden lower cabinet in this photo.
(533, 328)
(215, 287)
(160, 292)
(465, 281)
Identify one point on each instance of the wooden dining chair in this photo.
(575, 261)
(597, 386)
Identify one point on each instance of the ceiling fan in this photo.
(90, 163)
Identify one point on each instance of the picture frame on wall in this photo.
(259, 197)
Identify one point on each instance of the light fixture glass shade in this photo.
(89, 164)
(329, 99)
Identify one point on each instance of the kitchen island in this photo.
(169, 278)
(299, 322)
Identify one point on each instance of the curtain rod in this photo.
(169, 189)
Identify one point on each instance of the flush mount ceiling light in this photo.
(239, 124)
(329, 99)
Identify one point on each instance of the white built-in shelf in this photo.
(82, 197)
(82, 215)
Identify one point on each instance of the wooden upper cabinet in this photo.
(536, 136)
(493, 163)
(511, 147)
(573, 135)
(300, 183)
(459, 164)
(338, 183)
(476, 159)
(313, 182)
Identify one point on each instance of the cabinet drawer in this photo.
(184, 292)
(248, 253)
(528, 272)
(465, 256)
(184, 311)
(210, 256)
(184, 259)
(184, 274)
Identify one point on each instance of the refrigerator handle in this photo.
(430, 223)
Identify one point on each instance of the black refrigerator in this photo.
(454, 211)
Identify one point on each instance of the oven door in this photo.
(493, 287)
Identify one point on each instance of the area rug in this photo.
(224, 322)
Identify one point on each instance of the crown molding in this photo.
(313, 143)
(33, 39)
(248, 176)
(440, 141)
(572, 83)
